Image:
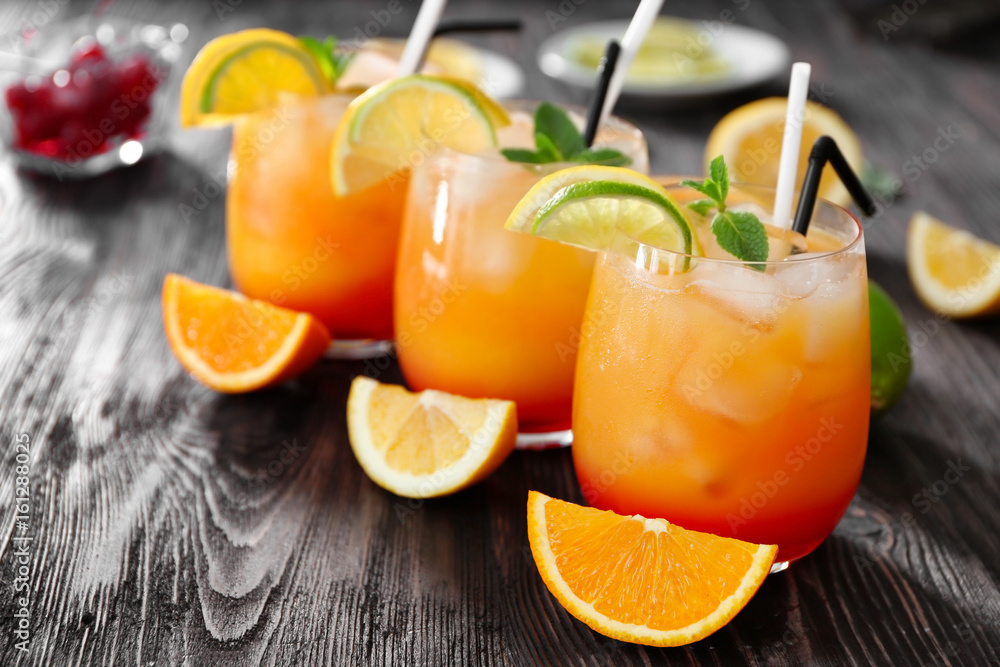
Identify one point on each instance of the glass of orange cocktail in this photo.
(725, 398)
(483, 312)
(295, 243)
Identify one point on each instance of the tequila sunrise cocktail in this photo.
(481, 311)
(292, 241)
(723, 398)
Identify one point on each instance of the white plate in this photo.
(754, 57)
(502, 78)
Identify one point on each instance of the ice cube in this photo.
(783, 243)
(835, 312)
(742, 293)
(520, 133)
(743, 397)
(803, 274)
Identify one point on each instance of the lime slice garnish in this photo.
(589, 206)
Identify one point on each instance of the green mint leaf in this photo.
(707, 188)
(742, 235)
(547, 149)
(522, 155)
(331, 63)
(555, 125)
(720, 175)
(702, 206)
(557, 139)
(604, 156)
(322, 56)
(340, 60)
(882, 184)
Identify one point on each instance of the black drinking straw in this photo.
(478, 25)
(823, 151)
(607, 68)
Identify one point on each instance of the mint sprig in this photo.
(558, 140)
(330, 62)
(740, 233)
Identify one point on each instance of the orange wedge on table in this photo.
(954, 273)
(234, 344)
(750, 139)
(642, 580)
(427, 444)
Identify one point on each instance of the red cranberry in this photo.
(84, 116)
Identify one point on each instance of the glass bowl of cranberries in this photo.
(88, 95)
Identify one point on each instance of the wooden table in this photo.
(174, 525)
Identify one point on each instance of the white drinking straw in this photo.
(642, 21)
(788, 168)
(420, 36)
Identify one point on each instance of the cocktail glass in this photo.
(293, 242)
(481, 311)
(723, 398)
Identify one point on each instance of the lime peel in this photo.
(588, 205)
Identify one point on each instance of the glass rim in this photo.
(824, 203)
(493, 154)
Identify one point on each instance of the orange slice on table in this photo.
(750, 138)
(427, 444)
(642, 580)
(234, 344)
(954, 273)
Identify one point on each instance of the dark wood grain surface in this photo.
(174, 525)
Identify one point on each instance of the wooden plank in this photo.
(172, 525)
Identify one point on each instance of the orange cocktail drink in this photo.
(292, 241)
(483, 312)
(723, 398)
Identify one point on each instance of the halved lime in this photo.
(892, 360)
(588, 206)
